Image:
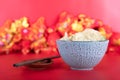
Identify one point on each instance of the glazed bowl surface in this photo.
(82, 55)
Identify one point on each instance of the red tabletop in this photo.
(107, 69)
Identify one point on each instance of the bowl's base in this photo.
(81, 68)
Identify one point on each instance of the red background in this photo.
(106, 10)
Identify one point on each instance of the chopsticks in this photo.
(33, 61)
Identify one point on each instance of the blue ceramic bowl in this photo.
(82, 55)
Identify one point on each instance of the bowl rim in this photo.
(82, 41)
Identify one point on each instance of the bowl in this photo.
(82, 55)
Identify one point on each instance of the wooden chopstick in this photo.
(33, 61)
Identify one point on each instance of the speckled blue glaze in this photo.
(82, 55)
